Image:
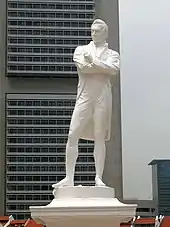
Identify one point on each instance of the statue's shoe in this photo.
(63, 183)
(99, 182)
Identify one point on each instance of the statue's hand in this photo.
(88, 57)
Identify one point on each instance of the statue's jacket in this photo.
(106, 61)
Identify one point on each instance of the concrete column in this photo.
(108, 10)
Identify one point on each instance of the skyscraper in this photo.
(36, 132)
(161, 185)
(42, 36)
(38, 90)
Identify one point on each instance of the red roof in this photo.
(145, 221)
(20, 223)
(4, 218)
(14, 222)
(125, 225)
(166, 222)
(32, 223)
(17, 223)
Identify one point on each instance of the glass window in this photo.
(52, 168)
(28, 168)
(44, 178)
(21, 197)
(52, 41)
(36, 178)
(52, 178)
(61, 168)
(52, 50)
(89, 16)
(29, 23)
(21, 14)
(28, 14)
(20, 149)
(12, 5)
(81, 33)
(74, 33)
(29, 6)
(59, 6)
(12, 14)
(36, 149)
(12, 67)
(44, 149)
(44, 168)
(44, 187)
(52, 15)
(28, 197)
(44, 159)
(44, 15)
(51, 6)
(67, 68)
(44, 131)
(13, 40)
(82, 15)
(21, 67)
(52, 59)
(52, 112)
(36, 187)
(44, 6)
(89, 7)
(82, 7)
(51, 68)
(36, 14)
(21, 168)
(13, 22)
(36, 23)
(11, 207)
(44, 197)
(52, 149)
(36, 6)
(36, 159)
(60, 177)
(21, 5)
(44, 140)
(52, 159)
(12, 149)
(59, 33)
(28, 178)
(61, 159)
(28, 149)
(74, 24)
(20, 178)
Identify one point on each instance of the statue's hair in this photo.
(102, 24)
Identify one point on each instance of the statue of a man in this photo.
(91, 118)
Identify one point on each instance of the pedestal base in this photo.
(83, 206)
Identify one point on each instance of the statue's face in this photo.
(98, 33)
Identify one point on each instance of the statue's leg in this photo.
(80, 117)
(71, 157)
(100, 147)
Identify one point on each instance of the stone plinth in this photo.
(83, 207)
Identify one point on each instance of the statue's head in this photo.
(99, 31)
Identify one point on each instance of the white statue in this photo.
(91, 118)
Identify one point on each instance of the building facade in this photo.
(36, 134)
(145, 208)
(38, 90)
(42, 36)
(161, 185)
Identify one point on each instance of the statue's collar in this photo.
(103, 45)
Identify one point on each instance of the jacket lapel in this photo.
(99, 52)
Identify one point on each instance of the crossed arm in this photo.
(87, 64)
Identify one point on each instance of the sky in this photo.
(145, 91)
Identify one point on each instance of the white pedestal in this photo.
(83, 207)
